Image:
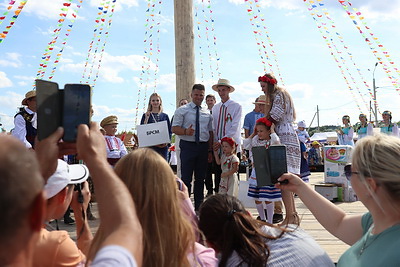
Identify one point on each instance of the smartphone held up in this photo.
(68, 107)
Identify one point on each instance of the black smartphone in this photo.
(49, 108)
(277, 161)
(76, 110)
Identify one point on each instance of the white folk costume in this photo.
(230, 184)
(283, 120)
(261, 193)
(227, 120)
(115, 149)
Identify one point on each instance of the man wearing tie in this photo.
(193, 124)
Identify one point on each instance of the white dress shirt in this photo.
(230, 122)
(19, 130)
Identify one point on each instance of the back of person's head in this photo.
(21, 186)
(228, 227)
(168, 235)
(378, 157)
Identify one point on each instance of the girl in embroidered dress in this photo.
(279, 109)
(155, 114)
(345, 134)
(263, 135)
(229, 165)
(114, 146)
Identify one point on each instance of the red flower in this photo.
(229, 140)
(264, 121)
(267, 80)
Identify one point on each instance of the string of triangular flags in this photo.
(151, 53)
(106, 34)
(322, 15)
(4, 33)
(377, 48)
(263, 39)
(205, 28)
(323, 30)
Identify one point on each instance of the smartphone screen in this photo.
(277, 161)
(76, 109)
(49, 108)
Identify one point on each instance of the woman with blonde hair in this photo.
(279, 109)
(169, 238)
(155, 114)
(374, 237)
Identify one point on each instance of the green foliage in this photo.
(322, 129)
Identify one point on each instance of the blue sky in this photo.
(308, 69)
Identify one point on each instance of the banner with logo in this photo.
(153, 134)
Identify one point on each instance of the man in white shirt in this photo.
(227, 117)
(25, 120)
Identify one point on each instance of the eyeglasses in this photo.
(348, 172)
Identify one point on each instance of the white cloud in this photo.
(118, 4)
(51, 9)
(125, 117)
(300, 90)
(111, 67)
(11, 60)
(46, 9)
(4, 81)
(11, 100)
(371, 9)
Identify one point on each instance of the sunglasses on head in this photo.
(348, 172)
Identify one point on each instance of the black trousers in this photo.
(194, 159)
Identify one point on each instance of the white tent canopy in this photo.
(324, 137)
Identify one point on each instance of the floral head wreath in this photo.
(265, 121)
(229, 140)
(267, 80)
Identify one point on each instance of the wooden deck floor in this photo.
(328, 242)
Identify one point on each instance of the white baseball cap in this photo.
(301, 124)
(65, 174)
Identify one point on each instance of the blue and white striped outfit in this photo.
(262, 193)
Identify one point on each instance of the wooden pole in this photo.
(184, 49)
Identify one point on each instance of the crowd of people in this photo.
(147, 215)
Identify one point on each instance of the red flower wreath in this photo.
(267, 80)
(229, 140)
(265, 121)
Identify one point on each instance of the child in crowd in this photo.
(229, 165)
(302, 133)
(114, 146)
(304, 137)
(314, 154)
(263, 135)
